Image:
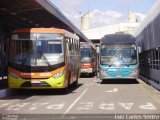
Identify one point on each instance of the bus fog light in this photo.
(57, 75)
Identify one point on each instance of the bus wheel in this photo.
(75, 84)
(66, 90)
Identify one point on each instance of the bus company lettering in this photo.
(40, 74)
(112, 70)
(27, 74)
(45, 74)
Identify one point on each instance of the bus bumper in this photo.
(50, 83)
(133, 75)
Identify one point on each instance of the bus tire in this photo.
(75, 84)
(66, 90)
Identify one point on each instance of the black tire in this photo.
(75, 84)
(66, 90)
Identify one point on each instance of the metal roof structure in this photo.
(35, 13)
(150, 17)
(118, 38)
(147, 34)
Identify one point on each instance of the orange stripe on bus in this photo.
(35, 74)
(40, 30)
(46, 30)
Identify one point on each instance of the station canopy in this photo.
(35, 13)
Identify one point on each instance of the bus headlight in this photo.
(57, 75)
(14, 75)
(102, 71)
(135, 70)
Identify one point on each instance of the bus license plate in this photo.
(83, 70)
(119, 76)
(35, 81)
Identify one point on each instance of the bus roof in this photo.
(118, 38)
(46, 30)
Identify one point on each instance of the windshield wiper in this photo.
(49, 64)
(127, 64)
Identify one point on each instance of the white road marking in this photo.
(107, 106)
(86, 106)
(75, 101)
(56, 106)
(148, 106)
(83, 106)
(17, 106)
(36, 105)
(127, 106)
(114, 90)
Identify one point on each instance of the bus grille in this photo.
(41, 84)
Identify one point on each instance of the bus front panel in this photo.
(36, 60)
(118, 61)
(53, 79)
(119, 72)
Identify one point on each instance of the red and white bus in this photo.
(88, 59)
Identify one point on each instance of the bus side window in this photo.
(77, 47)
(66, 50)
(74, 46)
(70, 45)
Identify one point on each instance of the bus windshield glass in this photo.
(36, 49)
(118, 54)
(85, 54)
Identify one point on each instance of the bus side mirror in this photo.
(139, 49)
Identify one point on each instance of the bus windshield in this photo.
(85, 55)
(39, 50)
(118, 54)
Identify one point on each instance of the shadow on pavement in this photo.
(26, 93)
(120, 81)
(87, 75)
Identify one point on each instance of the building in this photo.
(95, 34)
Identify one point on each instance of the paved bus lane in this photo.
(91, 97)
(116, 98)
(39, 101)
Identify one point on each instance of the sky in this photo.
(103, 12)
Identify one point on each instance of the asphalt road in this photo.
(92, 97)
